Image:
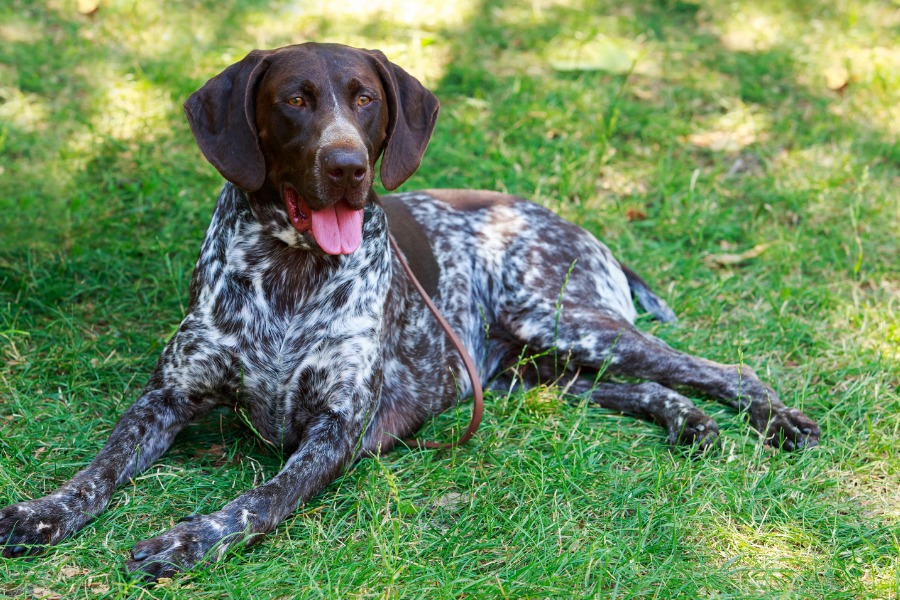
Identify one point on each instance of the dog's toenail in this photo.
(139, 555)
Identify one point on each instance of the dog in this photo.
(300, 314)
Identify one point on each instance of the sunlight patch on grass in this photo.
(883, 580)
(813, 167)
(405, 30)
(853, 60)
(19, 31)
(870, 75)
(596, 41)
(873, 74)
(471, 112)
(740, 126)
(29, 112)
(412, 13)
(132, 109)
(762, 557)
(750, 30)
(146, 30)
(537, 6)
(873, 488)
(871, 324)
(597, 53)
(542, 400)
(619, 183)
(865, 64)
(80, 147)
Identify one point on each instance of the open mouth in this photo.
(337, 229)
(298, 211)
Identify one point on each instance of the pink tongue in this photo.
(338, 228)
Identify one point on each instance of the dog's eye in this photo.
(363, 101)
(298, 101)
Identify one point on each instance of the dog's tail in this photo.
(649, 301)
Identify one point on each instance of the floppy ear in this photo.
(222, 116)
(413, 111)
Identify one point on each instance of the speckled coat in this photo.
(335, 356)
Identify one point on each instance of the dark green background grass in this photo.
(725, 136)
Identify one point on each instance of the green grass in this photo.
(724, 136)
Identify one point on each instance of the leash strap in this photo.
(477, 395)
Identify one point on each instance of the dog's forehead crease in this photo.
(323, 70)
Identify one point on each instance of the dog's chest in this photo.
(302, 331)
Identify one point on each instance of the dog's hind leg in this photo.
(685, 423)
(599, 340)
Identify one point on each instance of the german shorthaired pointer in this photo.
(300, 314)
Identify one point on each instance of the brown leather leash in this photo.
(477, 395)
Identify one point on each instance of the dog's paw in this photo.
(198, 539)
(694, 429)
(180, 548)
(789, 429)
(26, 527)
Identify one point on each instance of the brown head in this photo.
(300, 128)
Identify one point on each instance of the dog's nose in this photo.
(345, 167)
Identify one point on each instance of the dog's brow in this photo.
(308, 87)
(354, 85)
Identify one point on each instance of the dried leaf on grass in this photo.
(726, 140)
(635, 214)
(217, 455)
(214, 451)
(740, 126)
(452, 500)
(98, 588)
(88, 7)
(718, 261)
(837, 77)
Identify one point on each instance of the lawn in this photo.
(742, 156)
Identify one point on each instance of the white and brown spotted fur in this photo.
(335, 356)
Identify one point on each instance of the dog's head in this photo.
(301, 128)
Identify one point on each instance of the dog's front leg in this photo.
(172, 398)
(328, 445)
(143, 433)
